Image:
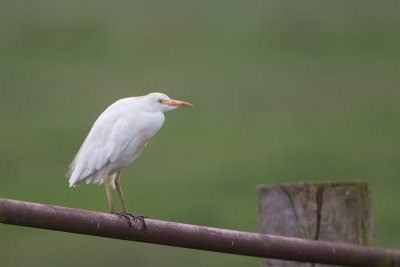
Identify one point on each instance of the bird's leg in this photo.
(106, 181)
(123, 207)
(119, 190)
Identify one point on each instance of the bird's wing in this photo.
(107, 139)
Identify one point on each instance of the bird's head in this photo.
(161, 102)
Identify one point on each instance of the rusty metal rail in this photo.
(193, 236)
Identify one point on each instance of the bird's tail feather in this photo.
(95, 177)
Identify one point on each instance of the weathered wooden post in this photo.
(330, 211)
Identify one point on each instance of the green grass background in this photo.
(284, 91)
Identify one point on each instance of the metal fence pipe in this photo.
(193, 236)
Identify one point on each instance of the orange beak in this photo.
(177, 103)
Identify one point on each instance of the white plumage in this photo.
(118, 137)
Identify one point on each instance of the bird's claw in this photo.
(133, 216)
(136, 218)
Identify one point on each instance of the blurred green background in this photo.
(284, 91)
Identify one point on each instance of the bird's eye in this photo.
(160, 101)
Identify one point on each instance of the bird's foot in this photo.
(137, 217)
(130, 216)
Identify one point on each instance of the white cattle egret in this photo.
(116, 139)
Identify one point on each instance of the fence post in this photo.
(329, 211)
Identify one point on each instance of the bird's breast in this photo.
(141, 143)
(140, 131)
(152, 123)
